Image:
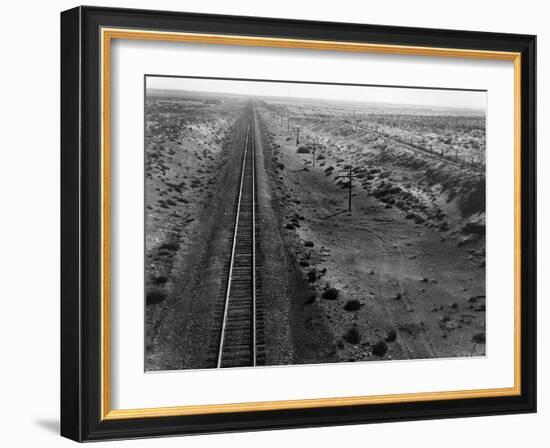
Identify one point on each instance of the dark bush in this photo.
(479, 338)
(352, 305)
(155, 296)
(475, 227)
(160, 280)
(303, 150)
(312, 276)
(352, 336)
(391, 336)
(331, 294)
(172, 246)
(380, 349)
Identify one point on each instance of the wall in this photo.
(29, 179)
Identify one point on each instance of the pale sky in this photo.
(406, 96)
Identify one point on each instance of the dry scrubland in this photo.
(185, 147)
(403, 275)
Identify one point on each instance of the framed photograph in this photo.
(275, 224)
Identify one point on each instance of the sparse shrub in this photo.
(160, 280)
(344, 184)
(308, 244)
(391, 336)
(155, 296)
(352, 336)
(311, 298)
(281, 166)
(479, 338)
(476, 227)
(331, 294)
(352, 305)
(380, 349)
(411, 328)
(312, 276)
(444, 226)
(171, 246)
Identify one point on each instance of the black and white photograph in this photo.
(292, 223)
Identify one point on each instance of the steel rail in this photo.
(253, 239)
(233, 247)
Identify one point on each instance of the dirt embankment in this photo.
(290, 333)
(400, 277)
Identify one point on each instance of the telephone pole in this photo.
(349, 175)
(349, 190)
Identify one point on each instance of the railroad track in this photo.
(239, 315)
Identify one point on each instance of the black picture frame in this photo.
(81, 224)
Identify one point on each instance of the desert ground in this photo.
(400, 275)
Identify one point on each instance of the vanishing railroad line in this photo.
(239, 338)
